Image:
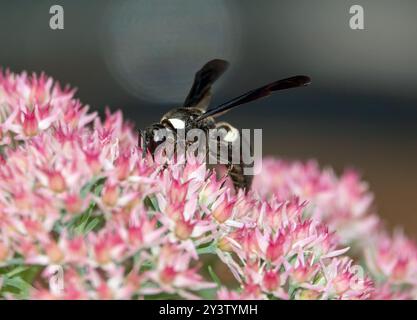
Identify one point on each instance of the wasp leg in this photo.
(240, 180)
(237, 174)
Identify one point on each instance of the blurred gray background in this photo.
(361, 110)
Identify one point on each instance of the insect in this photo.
(195, 113)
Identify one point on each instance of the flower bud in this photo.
(183, 229)
(56, 182)
(110, 195)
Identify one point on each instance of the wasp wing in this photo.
(293, 82)
(199, 95)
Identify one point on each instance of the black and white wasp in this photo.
(195, 113)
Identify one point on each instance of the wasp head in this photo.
(150, 138)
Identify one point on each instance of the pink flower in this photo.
(392, 259)
(76, 192)
(223, 209)
(344, 203)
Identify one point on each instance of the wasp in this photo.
(195, 113)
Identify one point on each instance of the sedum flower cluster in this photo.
(83, 215)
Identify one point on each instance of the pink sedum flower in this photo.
(344, 203)
(76, 193)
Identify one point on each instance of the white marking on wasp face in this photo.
(231, 135)
(177, 123)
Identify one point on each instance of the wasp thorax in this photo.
(180, 118)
